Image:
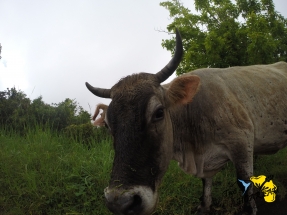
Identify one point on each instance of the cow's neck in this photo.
(192, 147)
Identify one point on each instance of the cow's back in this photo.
(242, 103)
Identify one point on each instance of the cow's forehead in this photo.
(134, 84)
(131, 100)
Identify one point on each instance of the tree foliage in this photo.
(19, 112)
(227, 33)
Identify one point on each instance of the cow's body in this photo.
(202, 119)
(235, 109)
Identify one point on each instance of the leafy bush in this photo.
(85, 133)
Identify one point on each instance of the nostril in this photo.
(123, 202)
(135, 205)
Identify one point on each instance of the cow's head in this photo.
(139, 120)
(101, 120)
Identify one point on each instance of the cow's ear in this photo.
(183, 89)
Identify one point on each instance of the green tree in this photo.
(41, 113)
(82, 116)
(19, 112)
(69, 112)
(13, 107)
(227, 33)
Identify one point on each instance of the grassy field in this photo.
(45, 173)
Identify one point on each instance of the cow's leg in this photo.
(242, 157)
(206, 199)
(249, 207)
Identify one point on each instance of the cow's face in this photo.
(138, 118)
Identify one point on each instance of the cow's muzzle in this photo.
(137, 200)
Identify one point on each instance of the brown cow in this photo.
(202, 119)
(101, 120)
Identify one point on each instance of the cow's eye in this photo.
(158, 114)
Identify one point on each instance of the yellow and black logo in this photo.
(266, 185)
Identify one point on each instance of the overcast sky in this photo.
(51, 48)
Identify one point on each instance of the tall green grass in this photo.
(47, 173)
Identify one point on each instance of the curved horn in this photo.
(100, 92)
(173, 63)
